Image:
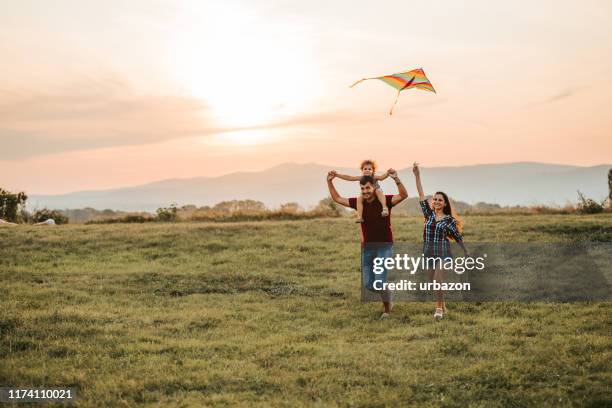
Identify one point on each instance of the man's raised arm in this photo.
(403, 193)
(333, 192)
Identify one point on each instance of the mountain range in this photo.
(507, 184)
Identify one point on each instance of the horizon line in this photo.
(303, 164)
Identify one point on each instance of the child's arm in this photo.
(382, 176)
(347, 177)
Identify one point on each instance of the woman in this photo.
(440, 223)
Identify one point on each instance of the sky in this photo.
(104, 94)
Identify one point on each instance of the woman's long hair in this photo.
(449, 210)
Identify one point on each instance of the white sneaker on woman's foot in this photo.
(439, 313)
(384, 316)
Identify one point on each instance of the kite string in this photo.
(393, 106)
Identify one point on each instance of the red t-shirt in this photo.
(375, 228)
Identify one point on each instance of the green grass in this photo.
(268, 314)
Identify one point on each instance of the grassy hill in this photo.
(267, 314)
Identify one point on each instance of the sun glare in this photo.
(247, 71)
(244, 137)
(247, 138)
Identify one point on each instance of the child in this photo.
(368, 168)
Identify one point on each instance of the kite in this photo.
(404, 80)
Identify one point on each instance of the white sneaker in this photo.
(439, 313)
(384, 316)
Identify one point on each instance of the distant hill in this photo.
(504, 184)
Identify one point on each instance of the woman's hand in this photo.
(417, 176)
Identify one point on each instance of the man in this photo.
(376, 233)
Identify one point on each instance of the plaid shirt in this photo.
(435, 233)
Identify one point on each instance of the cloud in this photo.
(563, 94)
(92, 114)
(104, 112)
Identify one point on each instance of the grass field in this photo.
(268, 314)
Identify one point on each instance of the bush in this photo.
(329, 208)
(588, 205)
(24, 216)
(240, 206)
(289, 208)
(167, 213)
(45, 214)
(128, 219)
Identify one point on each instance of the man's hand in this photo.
(415, 169)
(333, 192)
(403, 194)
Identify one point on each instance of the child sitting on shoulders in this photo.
(368, 168)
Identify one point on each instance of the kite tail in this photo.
(393, 106)
(361, 80)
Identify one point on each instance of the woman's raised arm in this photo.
(417, 176)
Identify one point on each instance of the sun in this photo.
(247, 71)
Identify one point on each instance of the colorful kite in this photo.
(404, 80)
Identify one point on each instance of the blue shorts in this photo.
(368, 254)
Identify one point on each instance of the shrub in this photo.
(588, 205)
(136, 218)
(167, 213)
(240, 206)
(24, 216)
(45, 214)
(329, 208)
(128, 219)
(289, 208)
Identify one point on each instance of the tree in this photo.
(610, 188)
(11, 204)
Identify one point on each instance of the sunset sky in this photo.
(111, 93)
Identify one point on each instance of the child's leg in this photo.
(383, 200)
(360, 208)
